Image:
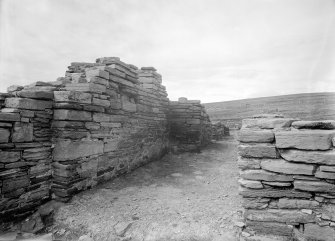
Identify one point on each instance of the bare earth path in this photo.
(181, 197)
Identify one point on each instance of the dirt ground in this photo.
(191, 196)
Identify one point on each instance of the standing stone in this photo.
(305, 139)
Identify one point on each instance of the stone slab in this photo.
(312, 157)
(322, 124)
(70, 150)
(248, 163)
(327, 169)
(73, 96)
(325, 175)
(263, 175)
(29, 104)
(305, 139)
(315, 232)
(9, 156)
(9, 117)
(282, 166)
(253, 135)
(272, 228)
(250, 184)
(314, 186)
(287, 203)
(258, 150)
(273, 193)
(267, 123)
(23, 132)
(41, 95)
(279, 215)
(61, 114)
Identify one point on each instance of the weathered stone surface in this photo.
(250, 184)
(313, 157)
(282, 166)
(305, 139)
(4, 135)
(322, 124)
(267, 123)
(72, 115)
(315, 232)
(263, 175)
(96, 73)
(273, 193)
(248, 163)
(287, 203)
(314, 186)
(327, 169)
(255, 203)
(44, 95)
(255, 135)
(70, 150)
(273, 228)
(23, 132)
(278, 184)
(9, 156)
(30, 104)
(111, 145)
(325, 175)
(9, 185)
(258, 150)
(73, 96)
(9, 116)
(277, 215)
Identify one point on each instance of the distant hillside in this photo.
(312, 106)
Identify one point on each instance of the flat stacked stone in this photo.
(287, 177)
(25, 149)
(110, 118)
(190, 127)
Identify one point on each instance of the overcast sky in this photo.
(213, 50)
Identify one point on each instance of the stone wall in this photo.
(25, 149)
(287, 177)
(109, 119)
(219, 130)
(190, 127)
(100, 120)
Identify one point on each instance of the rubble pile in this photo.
(288, 177)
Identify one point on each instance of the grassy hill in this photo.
(308, 106)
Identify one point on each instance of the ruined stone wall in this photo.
(219, 130)
(109, 119)
(25, 149)
(288, 177)
(190, 127)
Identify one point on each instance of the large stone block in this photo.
(305, 139)
(267, 123)
(272, 228)
(70, 150)
(325, 175)
(312, 157)
(314, 186)
(250, 184)
(4, 135)
(35, 94)
(23, 132)
(263, 175)
(322, 124)
(30, 104)
(248, 163)
(12, 184)
(73, 96)
(96, 73)
(72, 115)
(279, 215)
(282, 166)
(253, 135)
(258, 150)
(315, 232)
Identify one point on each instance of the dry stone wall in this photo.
(219, 130)
(190, 127)
(25, 149)
(98, 121)
(287, 177)
(109, 119)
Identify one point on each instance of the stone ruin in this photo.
(219, 131)
(288, 177)
(101, 120)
